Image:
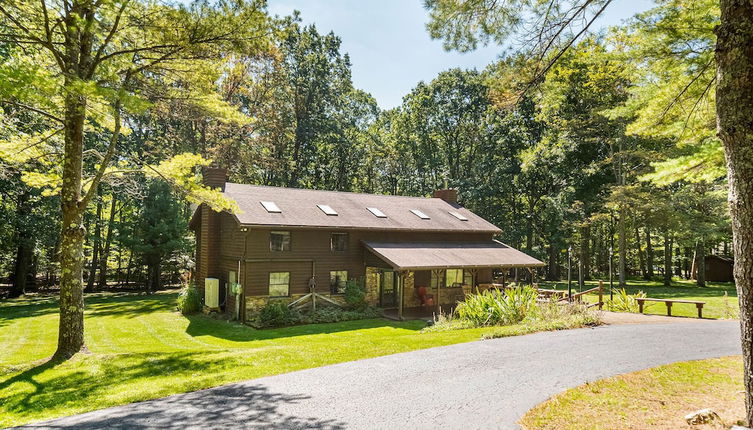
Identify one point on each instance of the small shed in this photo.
(718, 269)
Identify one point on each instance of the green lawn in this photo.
(717, 306)
(140, 349)
(657, 398)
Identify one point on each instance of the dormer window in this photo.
(271, 207)
(419, 214)
(377, 213)
(459, 216)
(327, 210)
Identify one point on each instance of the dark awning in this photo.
(444, 255)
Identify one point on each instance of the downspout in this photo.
(242, 296)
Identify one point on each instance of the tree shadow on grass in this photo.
(129, 305)
(121, 304)
(19, 308)
(75, 385)
(201, 325)
(60, 384)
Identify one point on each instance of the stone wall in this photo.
(371, 283)
(255, 303)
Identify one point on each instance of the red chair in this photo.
(423, 296)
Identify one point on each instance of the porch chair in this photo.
(424, 298)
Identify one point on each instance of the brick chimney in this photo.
(214, 177)
(448, 195)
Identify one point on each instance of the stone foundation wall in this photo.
(254, 304)
(371, 283)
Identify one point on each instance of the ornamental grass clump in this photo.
(495, 307)
(624, 302)
(189, 301)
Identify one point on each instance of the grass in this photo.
(717, 306)
(140, 348)
(657, 398)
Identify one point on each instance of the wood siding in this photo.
(310, 254)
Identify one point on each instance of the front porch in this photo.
(418, 281)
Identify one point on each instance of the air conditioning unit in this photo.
(212, 292)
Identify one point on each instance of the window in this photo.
(454, 277)
(435, 279)
(279, 241)
(458, 216)
(337, 281)
(339, 242)
(327, 210)
(419, 214)
(377, 213)
(468, 278)
(271, 207)
(279, 284)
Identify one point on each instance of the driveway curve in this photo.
(478, 385)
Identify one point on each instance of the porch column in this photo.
(437, 274)
(400, 280)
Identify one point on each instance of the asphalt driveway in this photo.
(478, 385)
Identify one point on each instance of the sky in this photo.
(388, 44)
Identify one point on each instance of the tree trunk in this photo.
(95, 245)
(667, 258)
(153, 274)
(649, 255)
(700, 263)
(734, 106)
(106, 249)
(585, 254)
(24, 247)
(639, 251)
(129, 268)
(71, 325)
(552, 273)
(622, 245)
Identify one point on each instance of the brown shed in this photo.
(718, 269)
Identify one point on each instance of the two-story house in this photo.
(285, 242)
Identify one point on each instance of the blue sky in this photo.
(389, 46)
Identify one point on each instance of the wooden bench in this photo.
(669, 302)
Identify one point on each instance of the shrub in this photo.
(495, 307)
(624, 302)
(355, 295)
(332, 314)
(188, 300)
(276, 314)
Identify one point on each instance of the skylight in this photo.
(377, 213)
(327, 210)
(419, 214)
(271, 207)
(458, 216)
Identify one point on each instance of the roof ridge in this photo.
(334, 191)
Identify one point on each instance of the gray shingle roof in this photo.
(443, 255)
(299, 208)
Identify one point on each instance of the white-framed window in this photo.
(279, 241)
(337, 281)
(339, 242)
(454, 277)
(279, 284)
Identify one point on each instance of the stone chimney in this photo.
(214, 177)
(448, 195)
